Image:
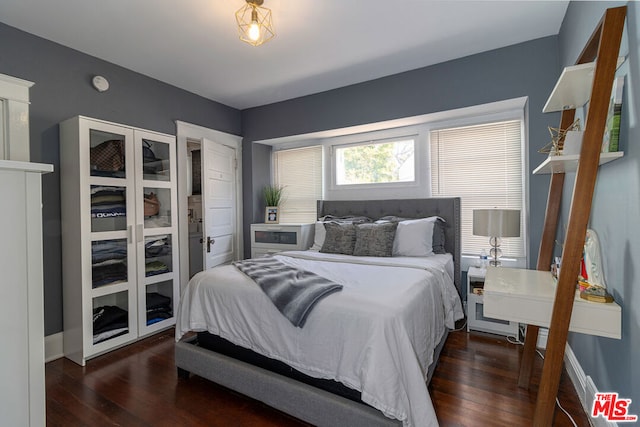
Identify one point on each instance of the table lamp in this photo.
(496, 223)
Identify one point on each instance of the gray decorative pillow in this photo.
(375, 239)
(438, 237)
(340, 238)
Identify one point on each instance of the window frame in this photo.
(387, 190)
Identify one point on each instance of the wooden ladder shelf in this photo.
(604, 46)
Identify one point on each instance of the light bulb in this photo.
(254, 31)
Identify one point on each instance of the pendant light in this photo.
(255, 25)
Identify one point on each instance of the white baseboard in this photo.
(585, 388)
(53, 347)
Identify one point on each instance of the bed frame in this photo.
(300, 400)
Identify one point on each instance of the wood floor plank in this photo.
(475, 384)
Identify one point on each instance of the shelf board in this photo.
(573, 88)
(527, 296)
(562, 164)
(110, 289)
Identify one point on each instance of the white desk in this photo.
(527, 296)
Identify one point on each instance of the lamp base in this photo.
(495, 251)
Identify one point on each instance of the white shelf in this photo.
(562, 164)
(527, 296)
(573, 88)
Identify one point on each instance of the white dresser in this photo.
(22, 388)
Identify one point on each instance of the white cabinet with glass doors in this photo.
(119, 235)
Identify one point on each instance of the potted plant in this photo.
(272, 199)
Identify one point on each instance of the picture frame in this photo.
(271, 215)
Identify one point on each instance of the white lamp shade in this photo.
(496, 222)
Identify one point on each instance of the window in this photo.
(299, 171)
(375, 162)
(482, 164)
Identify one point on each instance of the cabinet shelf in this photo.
(111, 288)
(569, 163)
(107, 181)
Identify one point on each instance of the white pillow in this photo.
(318, 238)
(414, 237)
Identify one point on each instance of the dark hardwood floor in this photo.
(473, 385)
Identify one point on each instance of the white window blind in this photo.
(299, 171)
(481, 164)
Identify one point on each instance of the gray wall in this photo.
(527, 69)
(613, 364)
(63, 89)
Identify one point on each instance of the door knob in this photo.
(210, 242)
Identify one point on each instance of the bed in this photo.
(363, 354)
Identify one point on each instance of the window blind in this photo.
(481, 164)
(299, 171)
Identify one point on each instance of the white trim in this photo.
(184, 132)
(584, 386)
(14, 89)
(53, 347)
(476, 110)
(14, 141)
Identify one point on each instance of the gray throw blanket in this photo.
(294, 292)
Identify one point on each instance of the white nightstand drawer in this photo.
(273, 238)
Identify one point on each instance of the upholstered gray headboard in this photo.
(447, 208)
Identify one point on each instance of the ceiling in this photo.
(320, 45)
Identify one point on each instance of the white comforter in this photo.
(377, 335)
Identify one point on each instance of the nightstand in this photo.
(476, 321)
(273, 238)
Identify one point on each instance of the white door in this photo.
(218, 203)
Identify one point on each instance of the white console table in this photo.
(527, 296)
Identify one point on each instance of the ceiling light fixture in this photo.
(254, 23)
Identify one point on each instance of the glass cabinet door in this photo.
(156, 202)
(108, 208)
(110, 161)
(156, 160)
(156, 191)
(109, 203)
(158, 255)
(107, 154)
